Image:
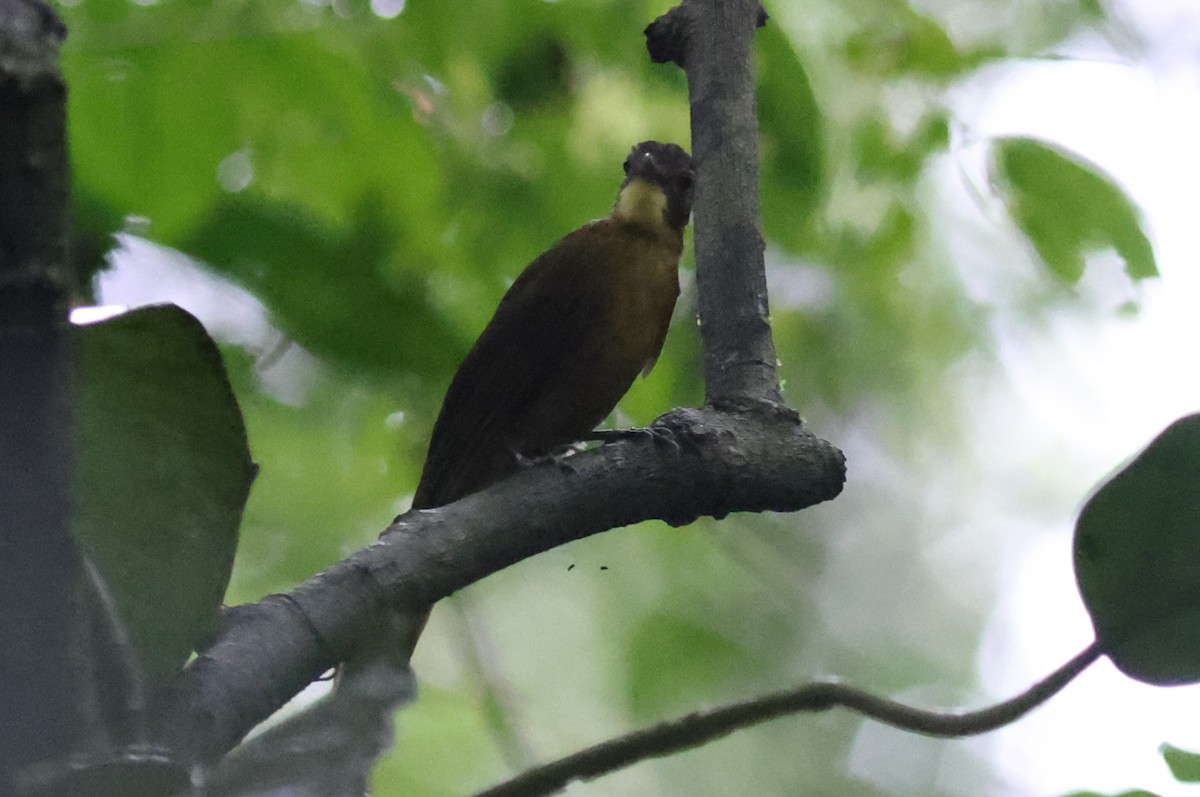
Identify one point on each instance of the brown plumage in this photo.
(569, 337)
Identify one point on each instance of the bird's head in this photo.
(657, 189)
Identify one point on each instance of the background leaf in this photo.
(793, 141)
(313, 280)
(1069, 207)
(1184, 764)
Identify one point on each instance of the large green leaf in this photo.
(163, 474)
(164, 131)
(1137, 559)
(1069, 207)
(333, 294)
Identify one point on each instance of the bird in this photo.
(570, 336)
(564, 345)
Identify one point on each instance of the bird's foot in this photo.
(558, 456)
(658, 435)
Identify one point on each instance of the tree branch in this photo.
(703, 462)
(702, 727)
(711, 41)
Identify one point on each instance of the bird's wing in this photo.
(527, 348)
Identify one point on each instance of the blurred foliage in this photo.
(1069, 207)
(1184, 764)
(1129, 793)
(374, 174)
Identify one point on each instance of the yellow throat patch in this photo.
(642, 203)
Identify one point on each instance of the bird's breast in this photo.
(643, 288)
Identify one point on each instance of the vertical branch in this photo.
(39, 704)
(711, 41)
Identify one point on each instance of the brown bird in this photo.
(568, 339)
(570, 336)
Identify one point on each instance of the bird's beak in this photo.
(648, 167)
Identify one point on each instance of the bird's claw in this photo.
(658, 435)
(559, 457)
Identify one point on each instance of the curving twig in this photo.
(702, 727)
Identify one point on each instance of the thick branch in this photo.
(39, 712)
(699, 463)
(711, 40)
(33, 167)
(702, 727)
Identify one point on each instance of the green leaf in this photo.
(336, 294)
(1137, 559)
(153, 127)
(1184, 764)
(793, 141)
(881, 155)
(163, 474)
(1068, 207)
(907, 42)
